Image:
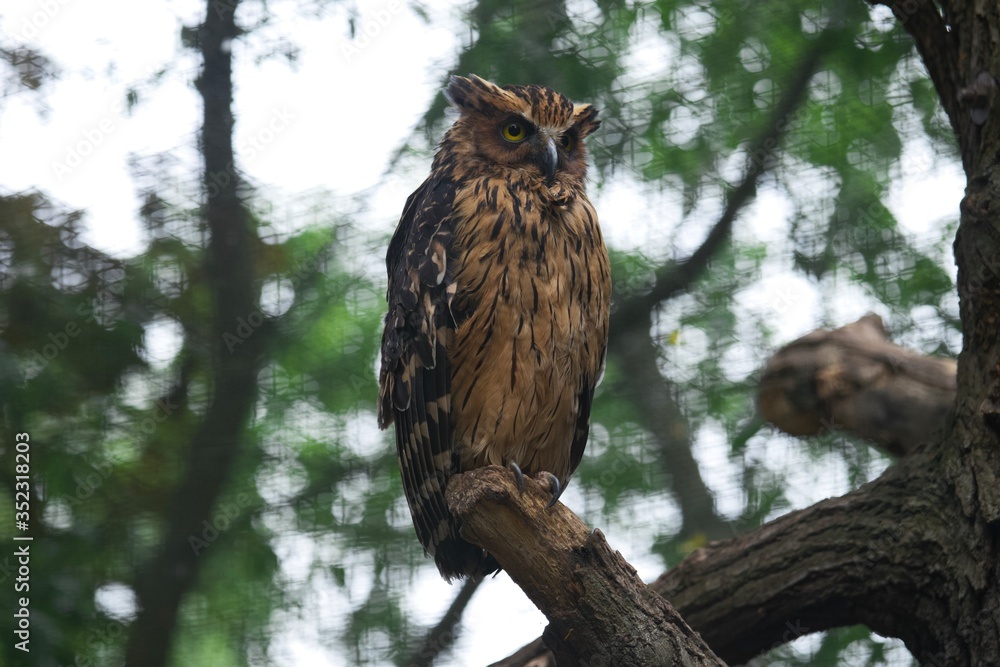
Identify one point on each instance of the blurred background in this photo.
(309, 556)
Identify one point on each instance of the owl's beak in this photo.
(550, 160)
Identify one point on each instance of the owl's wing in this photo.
(586, 400)
(415, 379)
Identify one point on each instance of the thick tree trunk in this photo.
(962, 53)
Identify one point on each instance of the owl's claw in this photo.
(518, 475)
(555, 487)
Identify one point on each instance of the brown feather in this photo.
(499, 295)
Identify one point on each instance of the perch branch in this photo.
(862, 558)
(823, 567)
(599, 611)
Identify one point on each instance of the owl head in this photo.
(522, 127)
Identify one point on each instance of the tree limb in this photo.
(675, 277)
(870, 556)
(645, 387)
(162, 582)
(818, 568)
(854, 379)
(440, 638)
(939, 50)
(598, 609)
(873, 556)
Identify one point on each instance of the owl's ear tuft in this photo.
(467, 94)
(457, 91)
(585, 119)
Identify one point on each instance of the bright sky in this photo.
(331, 122)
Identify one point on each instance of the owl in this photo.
(498, 306)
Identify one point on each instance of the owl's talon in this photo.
(555, 487)
(518, 475)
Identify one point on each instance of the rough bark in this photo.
(966, 59)
(881, 555)
(599, 611)
(853, 379)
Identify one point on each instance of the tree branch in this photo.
(645, 387)
(162, 582)
(675, 277)
(938, 49)
(440, 638)
(598, 609)
(854, 379)
(867, 557)
(873, 556)
(827, 566)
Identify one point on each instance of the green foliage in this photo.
(683, 88)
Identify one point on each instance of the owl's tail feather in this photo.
(457, 559)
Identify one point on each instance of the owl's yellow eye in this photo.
(567, 141)
(515, 132)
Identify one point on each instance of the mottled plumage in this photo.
(499, 293)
